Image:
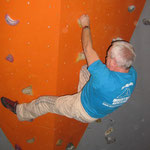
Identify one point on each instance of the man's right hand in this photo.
(84, 20)
(90, 53)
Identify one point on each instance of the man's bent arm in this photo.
(90, 53)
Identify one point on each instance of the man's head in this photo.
(120, 56)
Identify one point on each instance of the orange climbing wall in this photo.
(45, 45)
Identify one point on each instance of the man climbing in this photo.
(102, 87)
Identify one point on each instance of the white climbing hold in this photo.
(131, 8)
(10, 21)
(117, 39)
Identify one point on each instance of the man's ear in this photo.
(113, 63)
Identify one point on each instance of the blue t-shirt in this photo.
(106, 90)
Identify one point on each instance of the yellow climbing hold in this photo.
(81, 56)
(31, 140)
(98, 120)
(59, 142)
(110, 130)
(28, 90)
(79, 23)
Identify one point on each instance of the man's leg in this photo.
(83, 77)
(49, 104)
(36, 108)
(69, 106)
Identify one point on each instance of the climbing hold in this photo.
(17, 147)
(28, 90)
(79, 23)
(131, 8)
(31, 140)
(70, 146)
(146, 21)
(98, 120)
(10, 58)
(110, 139)
(59, 142)
(117, 39)
(81, 56)
(10, 21)
(110, 130)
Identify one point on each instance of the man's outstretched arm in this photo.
(90, 53)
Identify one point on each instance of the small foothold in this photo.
(70, 146)
(10, 21)
(131, 8)
(81, 56)
(10, 58)
(31, 140)
(98, 120)
(110, 139)
(79, 23)
(146, 21)
(110, 130)
(17, 147)
(59, 142)
(28, 90)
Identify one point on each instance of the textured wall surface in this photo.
(40, 44)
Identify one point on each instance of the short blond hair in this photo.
(123, 52)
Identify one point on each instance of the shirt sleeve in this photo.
(99, 72)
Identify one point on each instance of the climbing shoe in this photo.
(9, 104)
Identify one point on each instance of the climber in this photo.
(102, 88)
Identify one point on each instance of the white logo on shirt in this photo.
(127, 85)
(122, 98)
